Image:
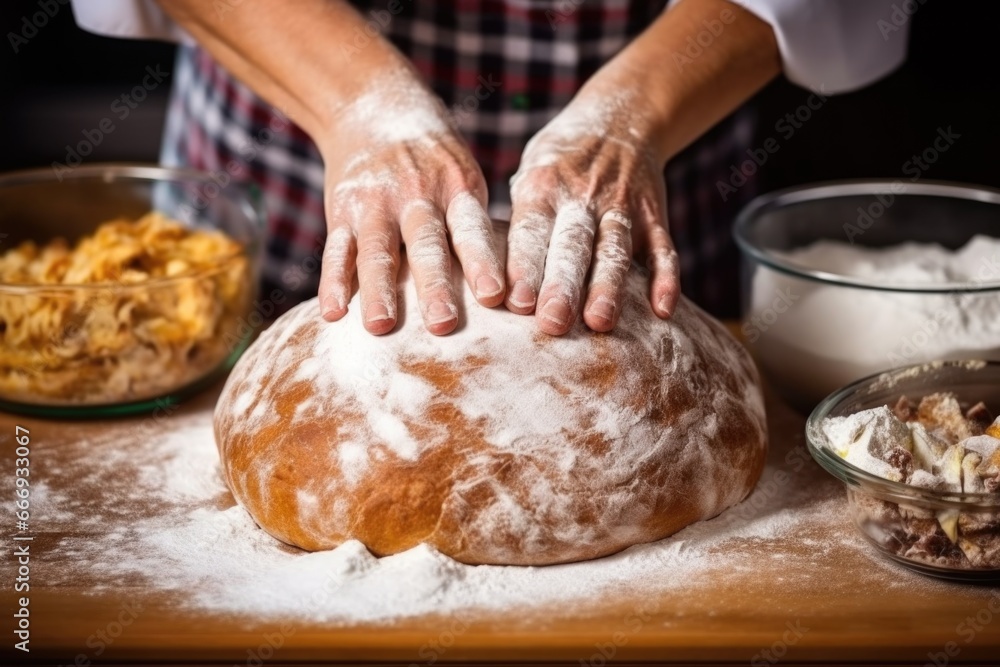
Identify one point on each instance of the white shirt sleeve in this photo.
(835, 46)
(136, 19)
(830, 46)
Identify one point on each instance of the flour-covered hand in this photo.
(397, 173)
(589, 192)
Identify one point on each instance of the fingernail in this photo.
(556, 311)
(377, 312)
(522, 295)
(439, 312)
(487, 286)
(664, 305)
(604, 308)
(330, 305)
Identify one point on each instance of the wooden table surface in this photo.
(843, 603)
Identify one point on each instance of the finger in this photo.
(664, 266)
(531, 226)
(566, 268)
(472, 238)
(378, 263)
(337, 274)
(612, 260)
(429, 259)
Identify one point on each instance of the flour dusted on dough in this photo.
(496, 443)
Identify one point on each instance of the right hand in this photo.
(396, 172)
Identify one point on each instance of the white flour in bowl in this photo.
(812, 338)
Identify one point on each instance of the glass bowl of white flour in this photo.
(843, 280)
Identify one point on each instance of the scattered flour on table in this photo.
(157, 515)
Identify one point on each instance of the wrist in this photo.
(339, 102)
(645, 117)
(678, 98)
(391, 106)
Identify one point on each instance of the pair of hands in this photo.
(587, 197)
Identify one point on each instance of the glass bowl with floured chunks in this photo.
(918, 450)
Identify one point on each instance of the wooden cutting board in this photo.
(799, 604)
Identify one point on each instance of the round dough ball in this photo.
(495, 444)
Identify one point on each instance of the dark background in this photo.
(951, 78)
(63, 81)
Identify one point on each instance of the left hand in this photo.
(589, 192)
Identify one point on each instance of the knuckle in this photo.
(531, 222)
(338, 248)
(418, 210)
(528, 239)
(663, 259)
(527, 183)
(469, 176)
(616, 228)
(336, 210)
(614, 258)
(342, 206)
(617, 210)
(460, 173)
(658, 237)
(376, 258)
(339, 236)
(437, 287)
(546, 178)
(376, 248)
(427, 250)
(416, 187)
(570, 290)
(429, 233)
(446, 179)
(650, 211)
(477, 186)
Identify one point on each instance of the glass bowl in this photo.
(813, 331)
(123, 346)
(900, 520)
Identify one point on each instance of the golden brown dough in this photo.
(496, 444)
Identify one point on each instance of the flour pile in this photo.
(820, 336)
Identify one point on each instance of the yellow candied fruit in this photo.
(116, 341)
